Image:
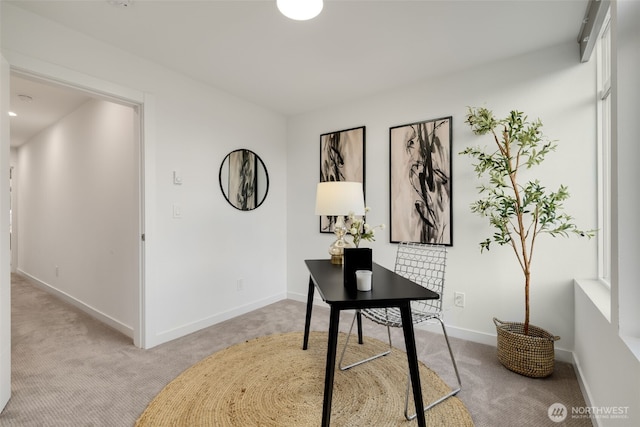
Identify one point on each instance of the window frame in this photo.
(604, 130)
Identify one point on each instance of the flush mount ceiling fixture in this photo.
(120, 3)
(300, 10)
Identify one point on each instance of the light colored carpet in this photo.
(70, 370)
(271, 382)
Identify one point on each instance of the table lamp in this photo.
(339, 199)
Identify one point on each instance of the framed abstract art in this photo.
(342, 158)
(243, 179)
(420, 182)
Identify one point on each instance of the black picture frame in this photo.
(420, 181)
(342, 158)
(232, 172)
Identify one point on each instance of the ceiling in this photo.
(353, 49)
(46, 104)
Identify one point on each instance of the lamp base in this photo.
(336, 250)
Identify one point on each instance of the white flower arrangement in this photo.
(360, 230)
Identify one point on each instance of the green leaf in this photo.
(514, 209)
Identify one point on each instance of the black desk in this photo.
(388, 290)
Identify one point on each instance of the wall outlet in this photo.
(239, 285)
(458, 299)
(57, 271)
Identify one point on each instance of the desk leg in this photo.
(307, 322)
(359, 318)
(331, 365)
(412, 356)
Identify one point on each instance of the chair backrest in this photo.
(425, 265)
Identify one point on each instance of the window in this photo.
(603, 55)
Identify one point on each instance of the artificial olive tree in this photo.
(519, 212)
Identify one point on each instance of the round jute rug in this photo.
(271, 381)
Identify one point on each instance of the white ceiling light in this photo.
(300, 10)
(120, 3)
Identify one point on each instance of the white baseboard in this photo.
(189, 328)
(91, 311)
(455, 332)
(584, 388)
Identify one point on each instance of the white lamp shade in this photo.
(339, 198)
(300, 10)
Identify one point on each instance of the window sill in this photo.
(633, 343)
(599, 294)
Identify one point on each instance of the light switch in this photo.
(177, 212)
(177, 178)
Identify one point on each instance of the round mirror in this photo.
(244, 180)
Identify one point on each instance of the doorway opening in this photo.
(76, 197)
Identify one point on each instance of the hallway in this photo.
(70, 369)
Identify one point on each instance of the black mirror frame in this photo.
(258, 163)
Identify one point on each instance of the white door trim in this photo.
(5, 257)
(143, 103)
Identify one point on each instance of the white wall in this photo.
(78, 209)
(552, 85)
(607, 350)
(626, 94)
(608, 370)
(192, 263)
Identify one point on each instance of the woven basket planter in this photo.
(530, 355)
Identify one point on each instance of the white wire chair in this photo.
(425, 265)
